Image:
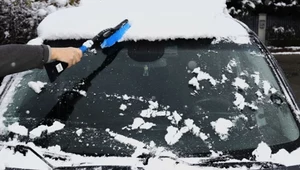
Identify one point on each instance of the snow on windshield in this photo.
(151, 20)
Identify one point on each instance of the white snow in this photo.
(256, 77)
(204, 76)
(126, 97)
(222, 127)
(239, 101)
(18, 129)
(240, 83)
(35, 41)
(213, 20)
(173, 135)
(82, 92)
(232, 63)
(79, 132)
(36, 132)
(195, 129)
(126, 140)
(139, 123)
(176, 117)
(153, 105)
(262, 152)
(61, 2)
(224, 78)
(55, 127)
(194, 82)
(36, 86)
(266, 87)
(123, 107)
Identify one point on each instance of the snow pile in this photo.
(36, 86)
(239, 101)
(212, 19)
(139, 123)
(222, 127)
(18, 129)
(123, 107)
(240, 84)
(263, 152)
(79, 132)
(201, 76)
(37, 132)
(232, 63)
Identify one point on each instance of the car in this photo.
(187, 86)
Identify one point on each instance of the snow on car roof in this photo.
(149, 19)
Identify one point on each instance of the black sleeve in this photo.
(16, 57)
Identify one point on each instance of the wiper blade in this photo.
(222, 162)
(24, 149)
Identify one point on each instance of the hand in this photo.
(68, 55)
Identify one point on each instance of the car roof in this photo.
(149, 19)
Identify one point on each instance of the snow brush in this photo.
(106, 38)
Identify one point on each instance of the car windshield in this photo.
(188, 96)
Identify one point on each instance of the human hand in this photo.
(68, 55)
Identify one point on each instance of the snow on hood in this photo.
(149, 19)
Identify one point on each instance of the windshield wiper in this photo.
(221, 162)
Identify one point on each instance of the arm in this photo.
(16, 57)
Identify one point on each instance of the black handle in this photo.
(54, 69)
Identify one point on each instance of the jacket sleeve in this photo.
(18, 57)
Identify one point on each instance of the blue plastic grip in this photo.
(83, 48)
(110, 41)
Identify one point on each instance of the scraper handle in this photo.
(54, 69)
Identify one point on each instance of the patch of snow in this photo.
(232, 63)
(204, 76)
(18, 129)
(153, 105)
(42, 12)
(126, 140)
(258, 93)
(6, 33)
(256, 77)
(214, 20)
(147, 125)
(51, 8)
(61, 2)
(81, 92)
(239, 101)
(266, 87)
(222, 127)
(176, 117)
(263, 152)
(252, 106)
(36, 86)
(79, 132)
(123, 107)
(139, 123)
(173, 135)
(194, 82)
(126, 97)
(37, 132)
(273, 90)
(224, 78)
(240, 83)
(195, 129)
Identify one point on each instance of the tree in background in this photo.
(254, 7)
(20, 18)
